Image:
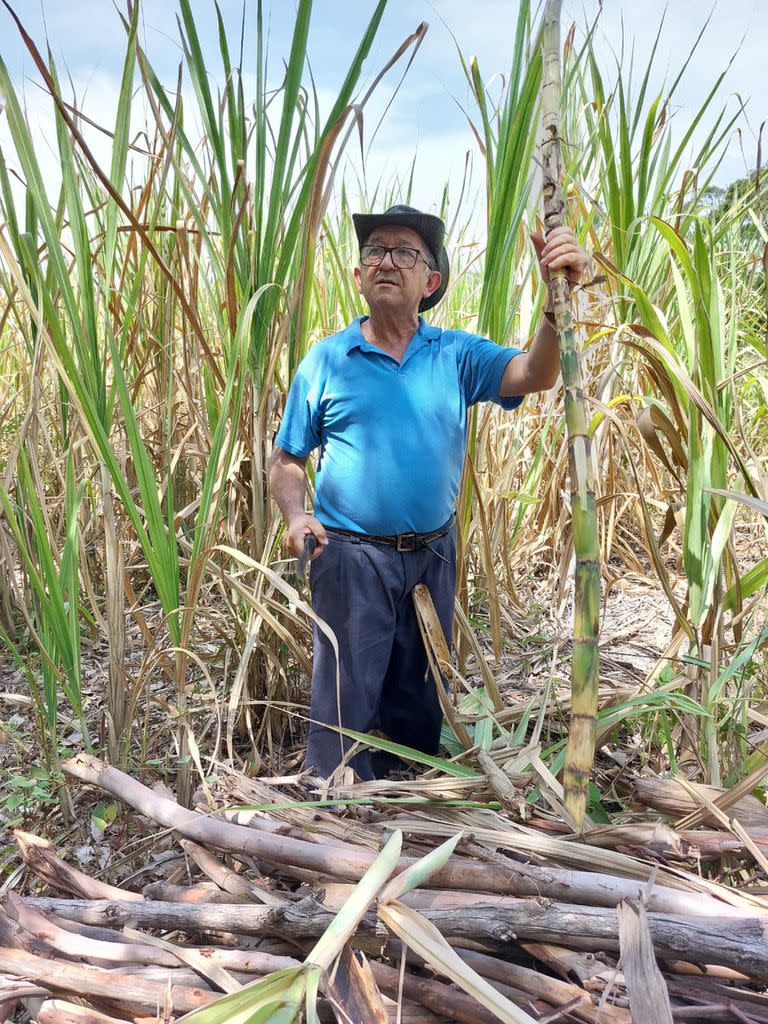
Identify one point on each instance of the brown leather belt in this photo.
(400, 541)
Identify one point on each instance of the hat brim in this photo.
(429, 227)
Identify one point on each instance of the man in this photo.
(386, 401)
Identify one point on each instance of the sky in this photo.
(425, 120)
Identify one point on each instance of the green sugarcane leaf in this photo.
(120, 144)
(750, 583)
(161, 549)
(408, 753)
(310, 998)
(744, 499)
(418, 873)
(720, 538)
(257, 1003)
(336, 936)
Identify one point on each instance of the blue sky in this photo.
(86, 37)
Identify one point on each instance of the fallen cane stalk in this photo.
(59, 1011)
(346, 861)
(738, 943)
(540, 986)
(435, 995)
(228, 880)
(585, 666)
(89, 981)
(23, 926)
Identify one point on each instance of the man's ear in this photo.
(434, 279)
(358, 276)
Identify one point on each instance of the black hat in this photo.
(431, 229)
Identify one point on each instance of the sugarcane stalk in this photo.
(740, 943)
(585, 665)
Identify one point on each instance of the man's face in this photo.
(389, 289)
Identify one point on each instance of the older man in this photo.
(386, 402)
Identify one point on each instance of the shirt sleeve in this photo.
(481, 366)
(299, 430)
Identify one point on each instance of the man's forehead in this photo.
(393, 234)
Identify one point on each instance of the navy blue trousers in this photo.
(364, 592)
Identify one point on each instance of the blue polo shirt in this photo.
(391, 435)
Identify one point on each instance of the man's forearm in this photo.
(538, 368)
(544, 353)
(288, 483)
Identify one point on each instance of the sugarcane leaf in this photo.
(285, 1013)
(750, 582)
(310, 996)
(267, 1001)
(192, 957)
(667, 701)
(743, 499)
(422, 936)
(408, 753)
(418, 873)
(121, 142)
(336, 936)
(720, 537)
(695, 532)
(741, 662)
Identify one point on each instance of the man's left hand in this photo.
(561, 249)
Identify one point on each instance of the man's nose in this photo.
(388, 256)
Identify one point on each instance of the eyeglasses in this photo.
(403, 256)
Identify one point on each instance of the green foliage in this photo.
(508, 133)
(54, 623)
(151, 327)
(23, 796)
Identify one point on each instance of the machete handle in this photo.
(310, 543)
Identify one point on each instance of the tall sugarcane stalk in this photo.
(585, 667)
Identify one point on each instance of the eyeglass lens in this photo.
(403, 257)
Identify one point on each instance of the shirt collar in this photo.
(355, 338)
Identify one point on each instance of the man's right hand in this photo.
(298, 528)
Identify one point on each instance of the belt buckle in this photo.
(406, 542)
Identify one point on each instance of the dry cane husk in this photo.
(669, 797)
(40, 858)
(352, 987)
(648, 996)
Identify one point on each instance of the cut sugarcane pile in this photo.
(450, 913)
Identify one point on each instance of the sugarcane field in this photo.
(383, 512)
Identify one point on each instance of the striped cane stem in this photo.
(585, 667)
